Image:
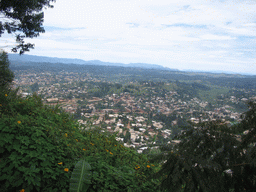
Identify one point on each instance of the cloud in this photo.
(133, 25)
(196, 33)
(216, 37)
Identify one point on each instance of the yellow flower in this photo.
(152, 165)
(84, 149)
(66, 135)
(0, 105)
(76, 140)
(66, 169)
(106, 150)
(148, 166)
(111, 153)
(60, 163)
(19, 122)
(115, 145)
(6, 95)
(92, 144)
(22, 190)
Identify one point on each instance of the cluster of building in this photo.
(130, 115)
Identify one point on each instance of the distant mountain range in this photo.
(41, 59)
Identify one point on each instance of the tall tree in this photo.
(24, 19)
(6, 75)
(210, 157)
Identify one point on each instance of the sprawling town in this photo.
(139, 112)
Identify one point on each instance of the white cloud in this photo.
(51, 44)
(181, 34)
(216, 37)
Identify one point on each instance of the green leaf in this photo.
(80, 179)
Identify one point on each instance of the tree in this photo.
(77, 115)
(211, 158)
(34, 87)
(127, 137)
(6, 75)
(23, 19)
(249, 123)
(70, 95)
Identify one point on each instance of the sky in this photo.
(202, 35)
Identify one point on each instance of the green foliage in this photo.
(34, 87)
(185, 88)
(40, 147)
(25, 17)
(211, 158)
(200, 86)
(249, 123)
(6, 75)
(80, 178)
(28, 143)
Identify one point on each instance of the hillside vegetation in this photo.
(40, 146)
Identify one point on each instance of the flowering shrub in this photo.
(40, 146)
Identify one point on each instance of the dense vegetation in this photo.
(212, 157)
(41, 145)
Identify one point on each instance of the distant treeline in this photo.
(125, 74)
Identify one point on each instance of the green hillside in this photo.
(41, 145)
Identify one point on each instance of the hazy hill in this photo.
(41, 59)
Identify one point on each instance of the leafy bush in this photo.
(40, 146)
(29, 150)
